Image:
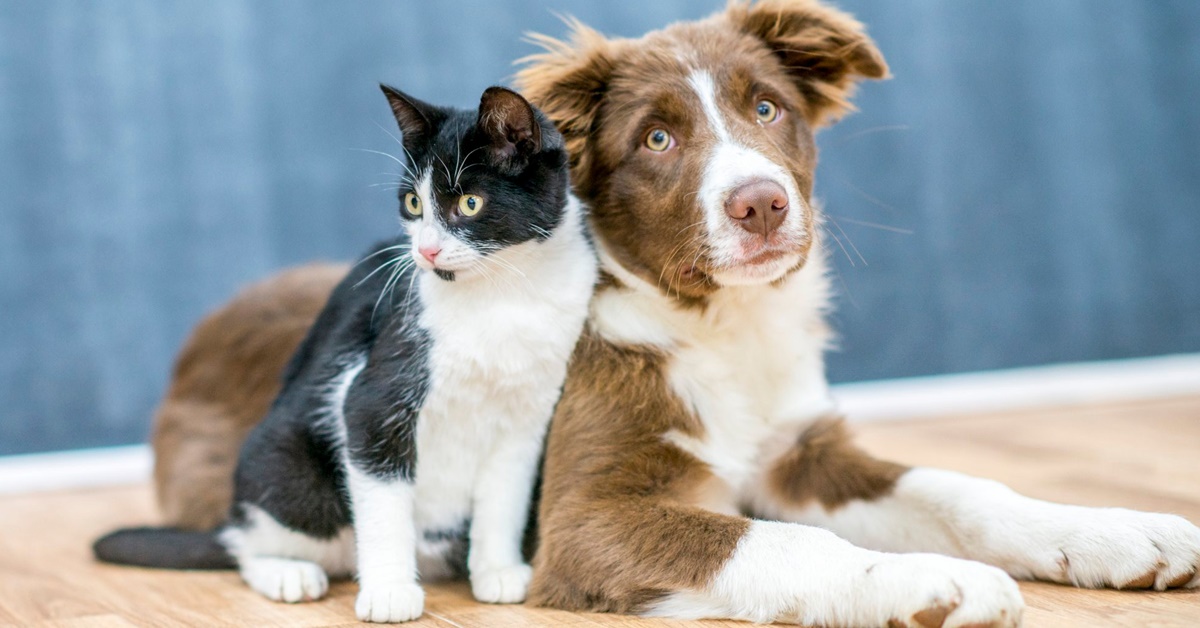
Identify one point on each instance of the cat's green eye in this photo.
(469, 204)
(658, 140)
(412, 204)
(766, 111)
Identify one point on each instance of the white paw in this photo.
(932, 591)
(1123, 549)
(505, 585)
(390, 604)
(284, 579)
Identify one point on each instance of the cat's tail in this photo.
(164, 548)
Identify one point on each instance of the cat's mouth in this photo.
(444, 275)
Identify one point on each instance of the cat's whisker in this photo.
(388, 155)
(464, 165)
(401, 145)
(384, 250)
(444, 168)
(387, 264)
(387, 286)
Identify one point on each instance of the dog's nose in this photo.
(758, 206)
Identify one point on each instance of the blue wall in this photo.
(1036, 164)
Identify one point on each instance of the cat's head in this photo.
(478, 182)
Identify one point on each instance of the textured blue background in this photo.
(1040, 159)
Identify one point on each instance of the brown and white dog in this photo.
(696, 466)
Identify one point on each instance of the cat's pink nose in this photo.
(429, 251)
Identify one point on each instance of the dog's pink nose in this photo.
(429, 251)
(758, 206)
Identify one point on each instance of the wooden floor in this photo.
(1139, 455)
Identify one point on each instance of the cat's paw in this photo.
(932, 591)
(284, 579)
(505, 585)
(1122, 549)
(390, 604)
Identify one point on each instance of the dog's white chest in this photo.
(754, 378)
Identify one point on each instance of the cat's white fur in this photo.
(502, 336)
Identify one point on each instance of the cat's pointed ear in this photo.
(509, 122)
(417, 119)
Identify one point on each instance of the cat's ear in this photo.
(417, 119)
(509, 122)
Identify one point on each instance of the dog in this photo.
(696, 465)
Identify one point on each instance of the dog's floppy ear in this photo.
(826, 50)
(568, 82)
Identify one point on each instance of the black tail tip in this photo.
(163, 548)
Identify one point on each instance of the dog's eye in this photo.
(766, 111)
(412, 204)
(658, 140)
(469, 204)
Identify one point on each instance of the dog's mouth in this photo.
(762, 257)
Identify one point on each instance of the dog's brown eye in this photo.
(766, 111)
(658, 140)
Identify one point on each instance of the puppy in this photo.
(696, 466)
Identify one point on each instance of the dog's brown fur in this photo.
(225, 378)
(621, 522)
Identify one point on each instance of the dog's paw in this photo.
(505, 585)
(932, 591)
(391, 603)
(1122, 549)
(284, 579)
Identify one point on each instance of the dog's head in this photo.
(693, 145)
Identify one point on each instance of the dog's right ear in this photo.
(417, 119)
(568, 82)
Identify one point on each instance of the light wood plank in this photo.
(1142, 455)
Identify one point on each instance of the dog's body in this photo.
(695, 466)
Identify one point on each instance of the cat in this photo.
(408, 433)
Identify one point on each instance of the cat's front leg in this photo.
(385, 539)
(499, 574)
(379, 459)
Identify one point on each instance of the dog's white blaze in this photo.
(706, 90)
(730, 164)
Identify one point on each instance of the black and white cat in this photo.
(407, 436)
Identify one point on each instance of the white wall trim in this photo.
(917, 397)
(1014, 389)
(84, 468)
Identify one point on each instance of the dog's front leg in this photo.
(825, 480)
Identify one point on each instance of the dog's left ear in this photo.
(825, 50)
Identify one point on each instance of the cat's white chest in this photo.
(497, 362)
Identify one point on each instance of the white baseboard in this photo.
(917, 397)
(83, 468)
(1013, 389)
